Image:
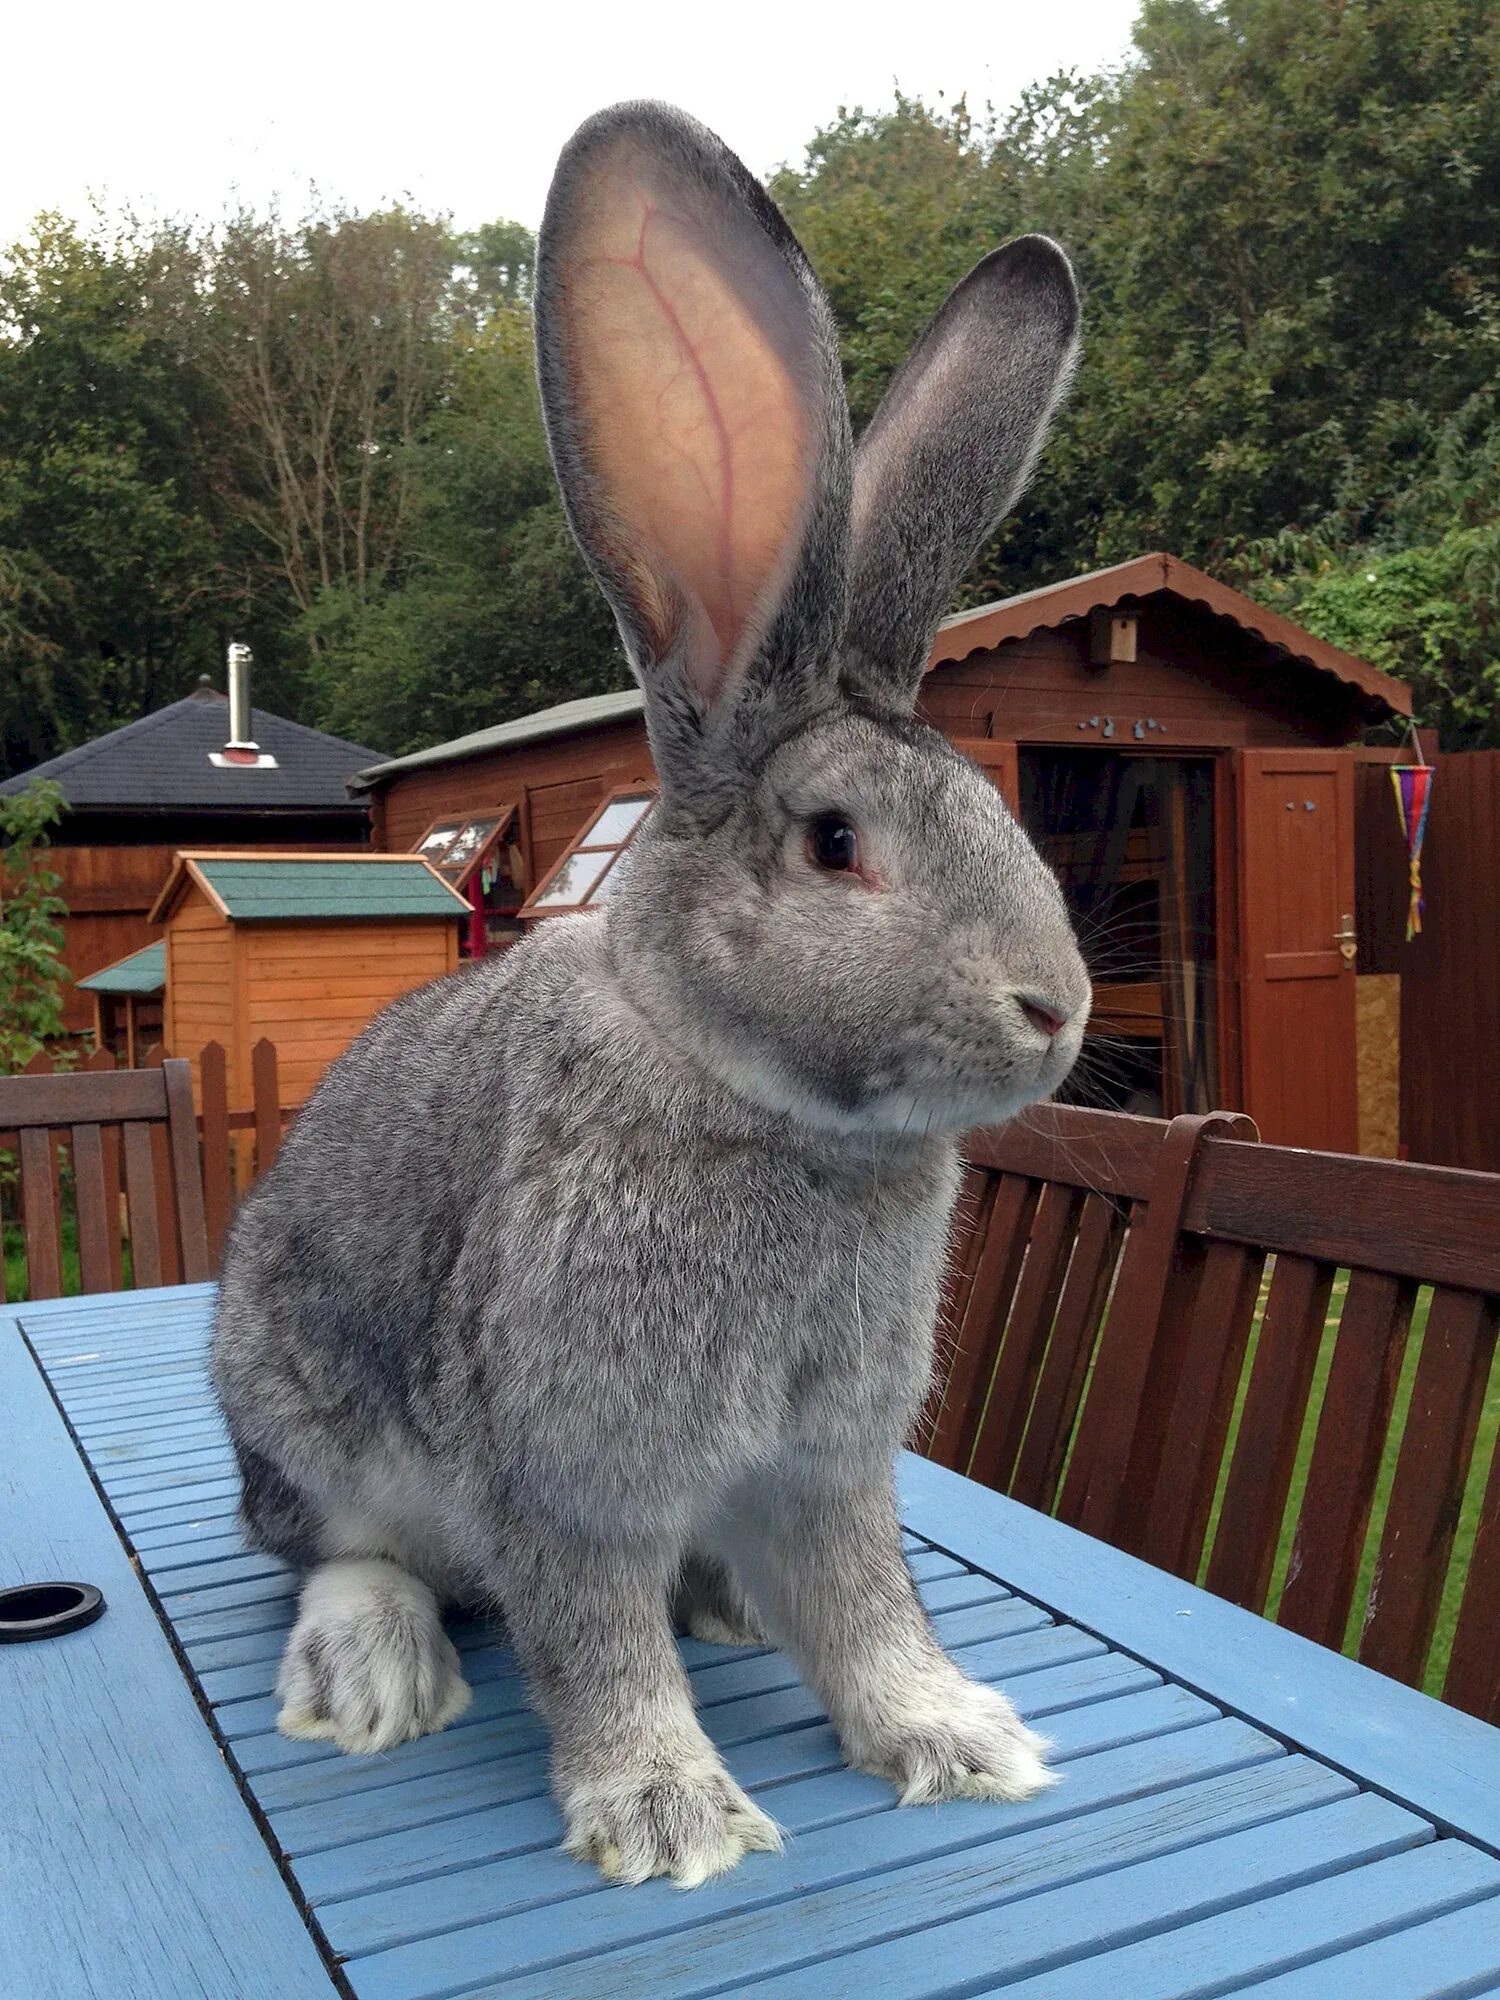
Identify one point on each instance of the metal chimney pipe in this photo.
(239, 698)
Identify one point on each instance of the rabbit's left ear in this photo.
(690, 382)
(948, 451)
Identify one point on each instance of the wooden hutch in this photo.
(302, 950)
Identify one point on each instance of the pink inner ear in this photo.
(683, 347)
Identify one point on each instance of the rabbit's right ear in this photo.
(690, 381)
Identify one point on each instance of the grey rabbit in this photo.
(598, 1282)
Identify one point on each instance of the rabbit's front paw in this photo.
(687, 1820)
(368, 1664)
(958, 1740)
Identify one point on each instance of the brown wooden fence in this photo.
(1262, 1369)
(1450, 973)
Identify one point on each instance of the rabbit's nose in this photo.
(1043, 1015)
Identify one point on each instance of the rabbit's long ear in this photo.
(948, 451)
(689, 375)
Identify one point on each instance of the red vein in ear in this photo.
(720, 616)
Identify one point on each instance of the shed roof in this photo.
(312, 888)
(161, 762)
(990, 625)
(977, 631)
(143, 971)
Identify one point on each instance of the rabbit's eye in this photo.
(833, 843)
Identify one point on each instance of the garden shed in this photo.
(301, 950)
(1186, 759)
(127, 1000)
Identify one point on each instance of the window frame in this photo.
(531, 911)
(503, 816)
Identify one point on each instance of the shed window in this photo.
(593, 866)
(478, 856)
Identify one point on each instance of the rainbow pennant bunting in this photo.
(1413, 783)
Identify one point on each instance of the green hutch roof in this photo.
(144, 971)
(318, 889)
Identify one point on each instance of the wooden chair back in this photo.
(1261, 1368)
(130, 1132)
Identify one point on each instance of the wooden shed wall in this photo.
(200, 979)
(554, 783)
(108, 891)
(1210, 684)
(312, 988)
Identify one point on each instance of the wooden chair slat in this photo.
(187, 1174)
(140, 1195)
(40, 1215)
(102, 1060)
(1265, 1450)
(168, 1230)
(1092, 1489)
(1219, 1319)
(218, 1182)
(1473, 1679)
(1059, 1389)
(996, 1266)
(94, 1219)
(1416, 1541)
(1028, 1324)
(1352, 1428)
(971, 1212)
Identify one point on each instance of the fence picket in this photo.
(169, 1234)
(40, 1212)
(265, 1094)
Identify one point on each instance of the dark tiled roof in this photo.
(162, 761)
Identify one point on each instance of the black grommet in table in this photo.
(47, 1610)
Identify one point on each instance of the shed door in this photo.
(999, 762)
(1296, 821)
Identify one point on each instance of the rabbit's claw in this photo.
(960, 1740)
(686, 1823)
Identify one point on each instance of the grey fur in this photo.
(606, 1272)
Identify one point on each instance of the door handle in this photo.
(1345, 939)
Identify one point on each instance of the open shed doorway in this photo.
(1132, 842)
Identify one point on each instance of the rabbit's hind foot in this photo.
(368, 1664)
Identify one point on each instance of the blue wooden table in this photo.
(1241, 1811)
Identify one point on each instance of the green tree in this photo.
(108, 537)
(31, 967)
(493, 612)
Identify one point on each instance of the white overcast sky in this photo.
(183, 109)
